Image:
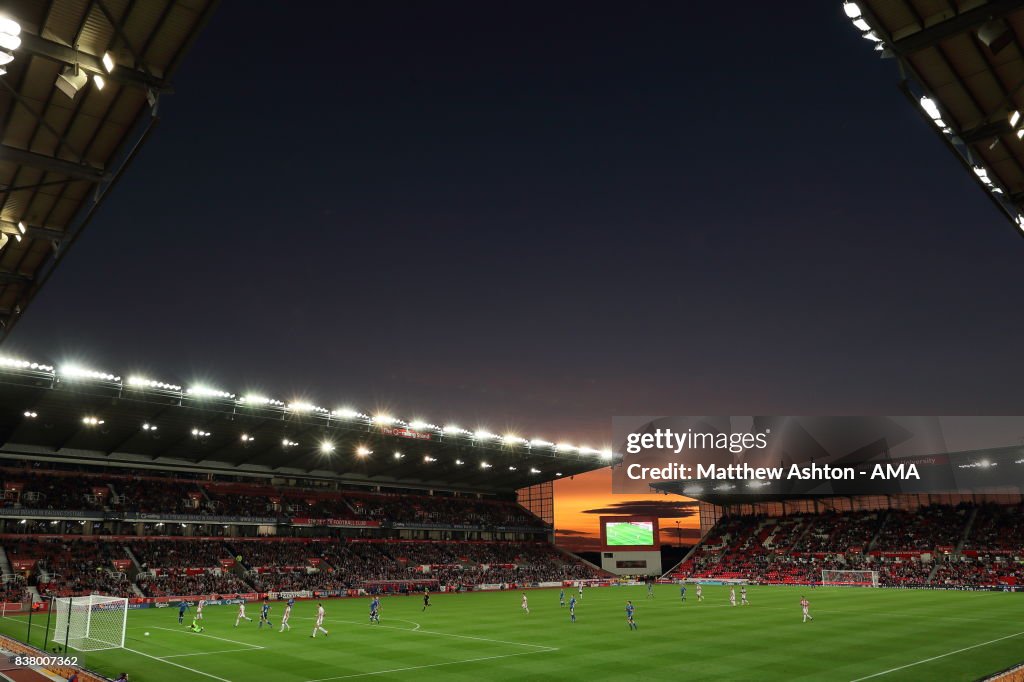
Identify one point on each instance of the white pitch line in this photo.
(430, 665)
(400, 620)
(935, 658)
(203, 634)
(208, 653)
(177, 665)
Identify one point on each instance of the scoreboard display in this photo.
(629, 532)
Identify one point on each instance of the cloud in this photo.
(571, 532)
(665, 509)
(669, 534)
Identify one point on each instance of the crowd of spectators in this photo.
(177, 554)
(184, 584)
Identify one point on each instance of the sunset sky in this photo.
(581, 500)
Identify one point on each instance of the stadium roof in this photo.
(71, 413)
(80, 84)
(961, 64)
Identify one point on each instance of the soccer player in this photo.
(375, 610)
(650, 589)
(426, 598)
(682, 591)
(629, 615)
(561, 597)
(182, 606)
(287, 615)
(199, 609)
(241, 613)
(700, 592)
(743, 596)
(265, 615)
(319, 620)
(581, 590)
(732, 596)
(525, 606)
(196, 627)
(806, 605)
(572, 610)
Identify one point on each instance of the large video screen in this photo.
(629, 533)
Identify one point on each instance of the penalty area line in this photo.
(177, 665)
(203, 634)
(935, 658)
(450, 634)
(429, 665)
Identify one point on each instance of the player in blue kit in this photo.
(572, 610)
(375, 610)
(682, 592)
(265, 615)
(182, 607)
(561, 597)
(629, 615)
(426, 599)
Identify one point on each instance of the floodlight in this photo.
(485, 465)
(108, 62)
(70, 81)
(852, 9)
(534, 471)
(459, 462)
(327, 447)
(399, 455)
(363, 451)
(1014, 118)
(31, 415)
(861, 24)
(98, 81)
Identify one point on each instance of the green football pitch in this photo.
(857, 634)
(626, 534)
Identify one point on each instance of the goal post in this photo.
(849, 578)
(90, 623)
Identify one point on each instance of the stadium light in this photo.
(420, 425)
(364, 451)
(288, 443)
(566, 447)
(607, 454)
(199, 433)
(149, 427)
(108, 62)
(1014, 118)
(246, 438)
(428, 459)
(872, 36)
(385, 419)
(453, 429)
(76, 372)
(511, 468)
(861, 24)
(485, 465)
(558, 473)
(260, 400)
(92, 421)
(143, 382)
(21, 227)
(534, 470)
(459, 462)
(327, 447)
(201, 391)
(399, 455)
(98, 81)
(31, 415)
(483, 434)
(852, 9)
(930, 108)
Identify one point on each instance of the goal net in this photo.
(90, 623)
(850, 578)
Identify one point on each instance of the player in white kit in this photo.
(319, 621)
(525, 606)
(806, 606)
(199, 609)
(743, 596)
(287, 615)
(241, 614)
(700, 592)
(732, 596)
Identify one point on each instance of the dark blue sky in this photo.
(537, 216)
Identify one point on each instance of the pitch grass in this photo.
(857, 634)
(629, 534)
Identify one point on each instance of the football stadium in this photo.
(159, 529)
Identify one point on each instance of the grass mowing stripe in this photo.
(430, 665)
(206, 636)
(935, 658)
(177, 665)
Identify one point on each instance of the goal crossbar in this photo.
(849, 578)
(90, 623)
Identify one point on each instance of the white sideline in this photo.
(935, 658)
(430, 665)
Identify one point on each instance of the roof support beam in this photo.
(51, 165)
(48, 49)
(986, 131)
(34, 231)
(959, 23)
(14, 278)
